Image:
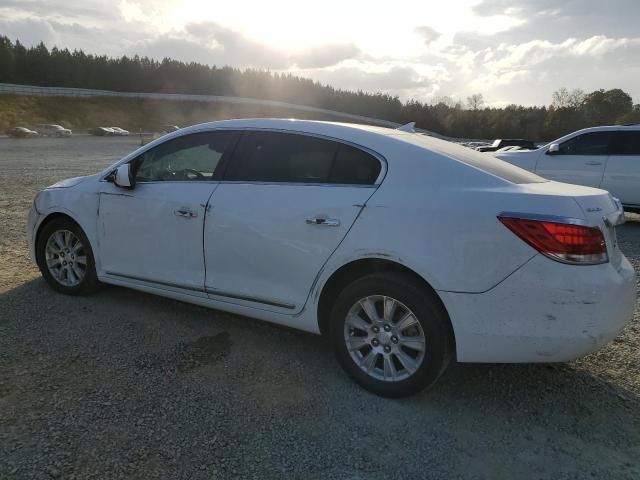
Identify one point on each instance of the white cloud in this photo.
(511, 51)
(428, 34)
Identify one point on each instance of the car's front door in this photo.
(153, 232)
(580, 160)
(286, 203)
(622, 175)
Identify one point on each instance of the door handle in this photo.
(185, 213)
(326, 222)
(593, 163)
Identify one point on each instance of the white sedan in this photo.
(405, 251)
(604, 157)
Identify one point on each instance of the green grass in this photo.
(132, 114)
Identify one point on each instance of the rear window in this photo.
(483, 161)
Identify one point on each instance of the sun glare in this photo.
(372, 26)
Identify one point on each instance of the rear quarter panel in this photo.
(438, 217)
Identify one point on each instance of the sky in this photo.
(510, 51)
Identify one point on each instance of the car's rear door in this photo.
(580, 160)
(153, 232)
(622, 175)
(286, 203)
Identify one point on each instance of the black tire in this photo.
(427, 309)
(89, 283)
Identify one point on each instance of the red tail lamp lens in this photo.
(561, 241)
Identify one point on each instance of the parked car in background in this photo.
(21, 132)
(507, 142)
(510, 149)
(606, 157)
(52, 130)
(101, 131)
(406, 251)
(119, 131)
(473, 145)
(169, 129)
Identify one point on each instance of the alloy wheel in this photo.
(384, 338)
(66, 258)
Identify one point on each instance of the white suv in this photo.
(405, 250)
(604, 157)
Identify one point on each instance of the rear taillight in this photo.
(564, 242)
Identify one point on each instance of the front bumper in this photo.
(544, 312)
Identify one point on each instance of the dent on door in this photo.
(154, 233)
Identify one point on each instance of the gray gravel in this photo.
(126, 385)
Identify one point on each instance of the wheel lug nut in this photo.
(387, 328)
(375, 342)
(394, 339)
(375, 329)
(387, 348)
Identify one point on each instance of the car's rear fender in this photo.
(452, 236)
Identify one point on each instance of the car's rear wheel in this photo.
(391, 335)
(65, 257)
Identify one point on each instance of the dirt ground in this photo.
(122, 384)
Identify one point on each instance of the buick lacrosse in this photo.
(406, 251)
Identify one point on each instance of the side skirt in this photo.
(200, 298)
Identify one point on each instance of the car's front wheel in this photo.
(391, 334)
(65, 257)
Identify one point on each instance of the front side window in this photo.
(296, 158)
(190, 157)
(626, 143)
(593, 143)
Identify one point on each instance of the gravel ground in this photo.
(126, 385)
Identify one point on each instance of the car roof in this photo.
(605, 128)
(601, 128)
(294, 125)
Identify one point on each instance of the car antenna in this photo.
(408, 127)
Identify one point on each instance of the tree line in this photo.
(568, 111)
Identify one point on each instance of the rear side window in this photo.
(626, 143)
(593, 143)
(296, 158)
(354, 166)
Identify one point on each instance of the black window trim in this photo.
(221, 168)
(376, 155)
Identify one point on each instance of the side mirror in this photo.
(124, 177)
(553, 149)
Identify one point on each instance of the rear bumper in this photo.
(544, 312)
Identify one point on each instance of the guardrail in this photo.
(33, 90)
